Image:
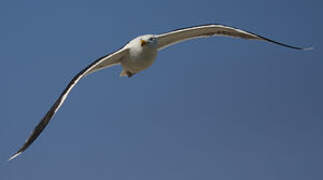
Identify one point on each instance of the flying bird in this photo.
(139, 54)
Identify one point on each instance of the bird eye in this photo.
(151, 39)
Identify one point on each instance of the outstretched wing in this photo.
(176, 36)
(103, 62)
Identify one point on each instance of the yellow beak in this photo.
(143, 42)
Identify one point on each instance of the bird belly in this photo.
(136, 63)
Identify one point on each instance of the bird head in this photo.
(148, 41)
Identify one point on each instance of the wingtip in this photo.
(14, 156)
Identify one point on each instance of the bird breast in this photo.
(140, 59)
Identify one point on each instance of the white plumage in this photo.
(139, 54)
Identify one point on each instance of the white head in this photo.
(148, 40)
(144, 41)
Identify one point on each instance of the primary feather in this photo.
(139, 54)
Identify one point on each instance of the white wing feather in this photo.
(103, 62)
(176, 36)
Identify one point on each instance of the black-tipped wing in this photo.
(176, 36)
(103, 62)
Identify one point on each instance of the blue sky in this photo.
(216, 108)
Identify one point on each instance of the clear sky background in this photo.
(217, 108)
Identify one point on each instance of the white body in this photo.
(139, 54)
(140, 57)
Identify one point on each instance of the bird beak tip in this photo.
(143, 42)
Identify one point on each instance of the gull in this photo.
(139, 54)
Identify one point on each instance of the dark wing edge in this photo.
(173, 37)
(45, 120)
(285, 45)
